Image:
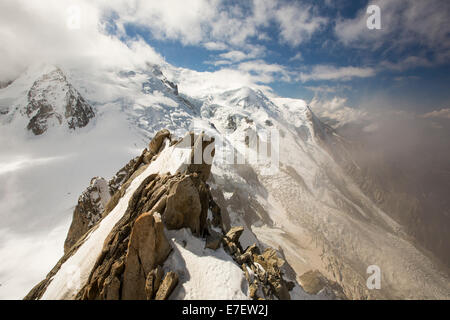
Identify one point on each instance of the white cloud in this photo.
(197, 83)
(185, 21)
(443, 113)
(219, 24)
(217, 63)
(32, 30)
(35, 31)
(234, 55)
(265, 72)
(298, 57)
(215, 46)
(297, 23)
(326, 72)
(403, 24)
(337, 109)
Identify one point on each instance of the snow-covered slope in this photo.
(308, 207)
(50, 101)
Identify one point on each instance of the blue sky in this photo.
(403, 65)
(318, 51)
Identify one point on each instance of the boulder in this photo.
(234, 234)
(158, 140)
(168, 284)
(153, 282)
(147, 248)
(183, 207)
(213, 240)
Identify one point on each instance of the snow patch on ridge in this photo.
(204, 273)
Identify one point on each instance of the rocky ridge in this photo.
(52, 99)
(131, 263)
(44, 98)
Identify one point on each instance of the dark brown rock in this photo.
(235, 233)
(153, 282)
(88, 211)
(213, 240)
(168, 284)
(148, 247)
(183, 207)
(157, 141)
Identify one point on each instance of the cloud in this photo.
(404, 24)
(337, 111)
(327, 72)
(215, 46)
(256, 74)
(199, 83)
(36, 31)
(443, 114)
(234, 55)
(298, 57)
(327, 89)
(185, 21)
(220, 24)
(265, 72)
(297, 23)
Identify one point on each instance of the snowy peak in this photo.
(246, 97)
(52, 101)
(43, 98)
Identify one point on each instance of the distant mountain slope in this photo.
(51, 101)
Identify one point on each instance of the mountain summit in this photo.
(51, 101)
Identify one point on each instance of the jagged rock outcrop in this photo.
(131, 264)
(167, 286)
(184, 207)
(94, 201)
(52, 100)
(263, 271)
(88, 211)
(148, 248)
(153, 282)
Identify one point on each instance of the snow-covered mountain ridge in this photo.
(51, 101)
(309, 209)
(149, 240)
